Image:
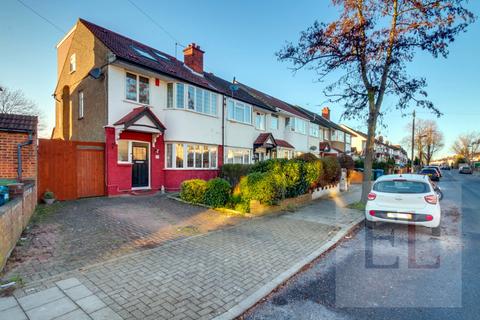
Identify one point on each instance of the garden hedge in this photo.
(217, 192)
(193, 190)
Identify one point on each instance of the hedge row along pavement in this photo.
(267, 181)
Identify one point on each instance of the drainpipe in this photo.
(19, 155)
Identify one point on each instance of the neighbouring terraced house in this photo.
(164, 121)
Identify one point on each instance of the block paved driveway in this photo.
(204, 276)
(84, 232)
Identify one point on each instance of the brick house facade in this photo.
(183, 122)
(16, 130)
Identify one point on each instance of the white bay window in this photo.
(238, 155)
(195, 98)
(190, 156)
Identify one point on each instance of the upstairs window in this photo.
(137, 88)
(274, 122)
(314, 130)
(239, 111)
(80, 104)
(197, 99)
(73, 63)
(297, 125)
(260, 121)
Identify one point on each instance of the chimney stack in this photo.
(326, 113)
(193, 57)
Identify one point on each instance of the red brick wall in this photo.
(8, 156)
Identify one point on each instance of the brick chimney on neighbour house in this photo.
(326, 113)
(193, 57)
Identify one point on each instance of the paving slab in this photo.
(40, 298)
(52, 309)
(6, 303)
(68, 283)
(90, 304)
(14, 313)
(75, 315)
(78, 292)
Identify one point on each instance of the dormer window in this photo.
(73, 63)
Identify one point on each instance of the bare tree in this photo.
(15, 101)
(428, 140)
(467, 145)
(368, 46)
(433, 140)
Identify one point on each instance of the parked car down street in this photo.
(404, 199)
(431, 172)
(465, 170)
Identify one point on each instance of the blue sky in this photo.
(239, 39)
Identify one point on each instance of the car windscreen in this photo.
(403, 186)
(428, 171)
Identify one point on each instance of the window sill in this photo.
(193, 111)
(126, 164)
(244, 123)
(137, 103)
(190, 169)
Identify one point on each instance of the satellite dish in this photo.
(95, 73)
(233, 87)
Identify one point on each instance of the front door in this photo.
(140, 176)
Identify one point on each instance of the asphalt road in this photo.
(395, 272)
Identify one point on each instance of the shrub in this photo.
(293, 173)
(261, 186)
(346, 162)
(313, 173)
(234, 172)
(308, 157)
(193, 190)
(332, 171)
(217, 192)
(48, 195)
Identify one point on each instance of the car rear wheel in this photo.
(369, 224)
(436, 231)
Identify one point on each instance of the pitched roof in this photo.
(124, 49)
(18, 123)
(240, 94)
(263, 137)
(284, 144)
(318, 119)
(136, 114)
(272, 101)
(356, 132)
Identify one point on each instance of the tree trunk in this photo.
(369, 151)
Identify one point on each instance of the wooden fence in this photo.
(71, 169)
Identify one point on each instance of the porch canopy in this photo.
(266, 143)
(140, 119)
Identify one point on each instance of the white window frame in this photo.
(245, 151)
(211, 149)
(73, 63)
(263, 118)
(274, 116)
(81, 104)
(247, 109)
(314, 130)
(213, 98)
(294, 125)
(137, 96)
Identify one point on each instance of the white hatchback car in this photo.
(404, 199)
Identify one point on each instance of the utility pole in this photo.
(413, 141)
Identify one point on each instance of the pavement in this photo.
(394, 272)
(218, 274)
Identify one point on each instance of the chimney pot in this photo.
(193, 57)
(326, 113)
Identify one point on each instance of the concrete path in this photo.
(219, 274)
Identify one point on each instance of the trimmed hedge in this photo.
(234, 172)
(261, 186)
(217, 193)
(332, 171)
(193, 190)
